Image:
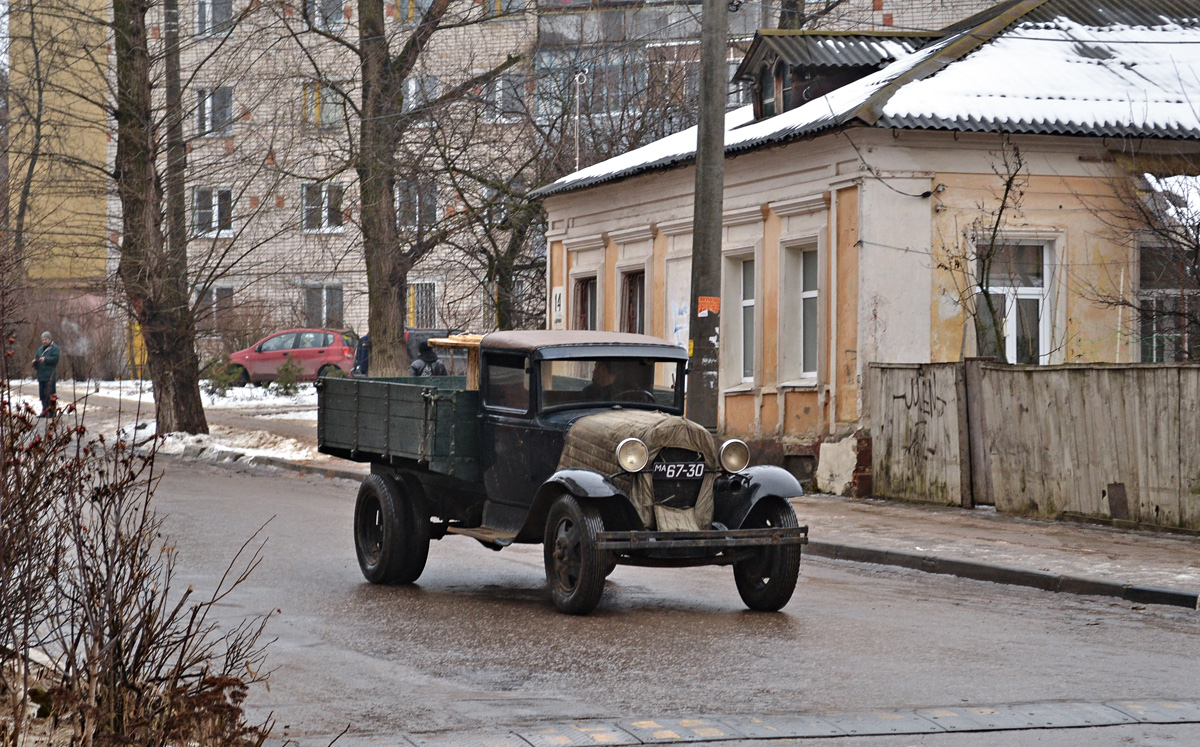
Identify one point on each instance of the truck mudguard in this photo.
(615, 507)
(737, 494)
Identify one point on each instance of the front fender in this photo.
(737, 494)
(586, 485)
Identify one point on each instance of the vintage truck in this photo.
(573, 439)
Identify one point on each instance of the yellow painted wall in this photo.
(845, 352)
(58, 138)
(1090, 258)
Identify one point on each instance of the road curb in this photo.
(855, 553)
(1006, 574)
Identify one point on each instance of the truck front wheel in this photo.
(391, 537)
(766, 579)
(574, 567)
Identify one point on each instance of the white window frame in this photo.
(326, 226)
(314, 13)
(793, 319)
(1164, 344)
(325, 289)
(206, 115)
(324, 105)
(213, 229)
(411, 316)
(425, 192)
(411, 11)
(1012, 294)
(748, 304)
(419, 90)
(207, 24)
(497, 95)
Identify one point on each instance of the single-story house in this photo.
(902, 197)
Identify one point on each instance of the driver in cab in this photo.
(604, 382)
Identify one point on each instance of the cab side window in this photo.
(507, 383)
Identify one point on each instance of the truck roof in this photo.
(546, 343)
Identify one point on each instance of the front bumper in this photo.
(712, 539)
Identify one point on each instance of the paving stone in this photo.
(650, 731)
(1159, 711)
(580, 734)
(782, 727)
(875, 723)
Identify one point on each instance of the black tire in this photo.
(766, 580)
(243, 377)
(391, 536)
(574, 567)
(330, 370)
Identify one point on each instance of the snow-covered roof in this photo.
(1124, 68)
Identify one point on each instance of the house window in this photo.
(214, 311)
(799, 313)
(1012, 322)
(747, 320)
(585, 303)
(766, 89)
(323, 14)
(324, 106)
(785, 84)
(213, 16)
(212, 211)
(323, 207)
(634, 303)
(1168, 306)
(739, 92)
(808, 313)
(422, 305)
(214, 112)
(419, 90)
(411, 11)
(416, 204)
(495, 8)
(504, 98)
(323, 305)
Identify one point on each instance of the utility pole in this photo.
(705, 319)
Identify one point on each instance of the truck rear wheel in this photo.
(391, 537)
(767, 579)
(575, 569)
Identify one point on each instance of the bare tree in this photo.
(799, 14)
(97, 647)
(1156, 214)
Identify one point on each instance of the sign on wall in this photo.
(557, 307)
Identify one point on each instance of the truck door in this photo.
(506, 430)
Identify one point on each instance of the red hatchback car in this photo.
(318, 352)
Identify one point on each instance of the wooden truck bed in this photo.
(432, 421)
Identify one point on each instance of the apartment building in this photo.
(270, 93)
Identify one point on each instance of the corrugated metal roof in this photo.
(817, 49)
(1117, 68)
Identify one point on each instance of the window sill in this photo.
(214, 235)
(745, 386)
(802, 384)
(322, 231)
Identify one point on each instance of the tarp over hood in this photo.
(591, 443)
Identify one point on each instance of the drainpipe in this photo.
(833, 315)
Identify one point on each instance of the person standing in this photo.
(427, 363)
(46, 365)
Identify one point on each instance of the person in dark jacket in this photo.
(46, 365)
(427, 363)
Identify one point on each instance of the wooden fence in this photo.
(1112, 441)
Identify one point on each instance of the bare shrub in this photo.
(91, 628)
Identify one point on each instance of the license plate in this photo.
(678, 470)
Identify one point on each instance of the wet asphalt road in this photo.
(476, 644)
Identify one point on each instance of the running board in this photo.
(484, 534)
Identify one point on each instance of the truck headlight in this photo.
(632, 455)
(735, 455)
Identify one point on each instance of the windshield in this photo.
(570, 383)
